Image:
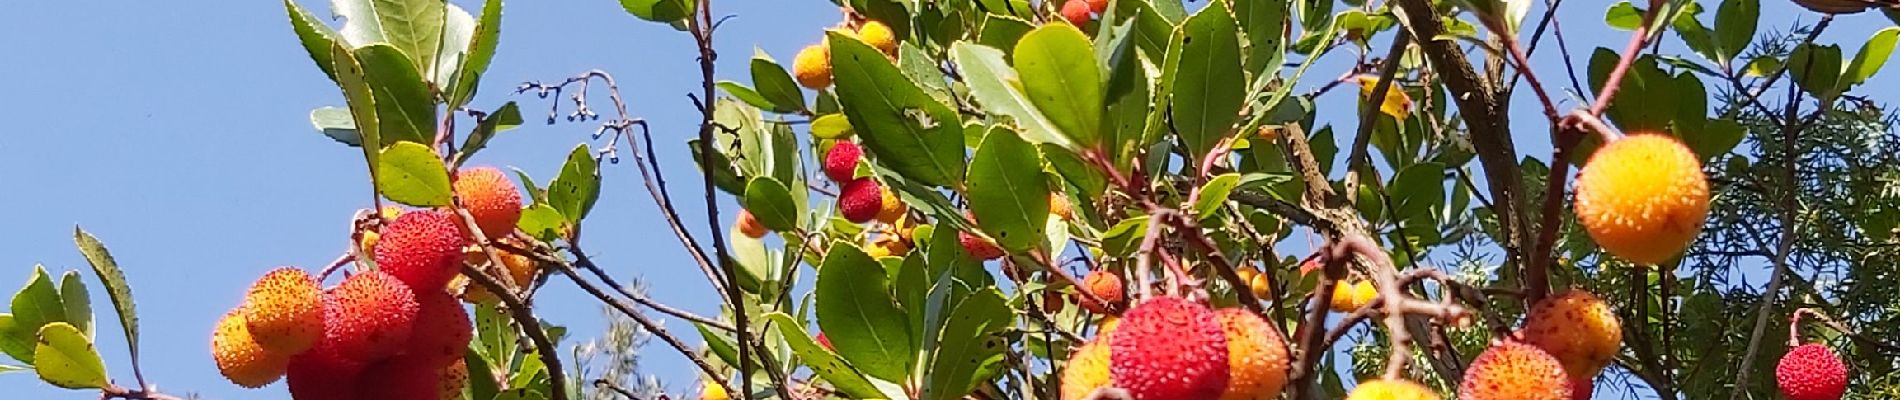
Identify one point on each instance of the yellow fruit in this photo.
(368, 242)
(1643, 198)
(1260, 287)
(1087, 369)
(238, 356)
(1059, 205)
(391, 212)
(283, 311)
(454, 377)
(1363, 293)
(1577, 328)
(1108, 325)
(1246, 273)
(520, 268)
(1349, 297)
(890, 208)
(749, 225)
(812, 67)
(879, 36)
(1391, 390)
(887, 245)
(710, 390)
(1514, 371)
(1256, 356)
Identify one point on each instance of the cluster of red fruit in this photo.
(1078, 11)
(395, 332)
(1172, 348)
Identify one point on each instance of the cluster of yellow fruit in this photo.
(1171, 348)
(395, 332)
(812, 66)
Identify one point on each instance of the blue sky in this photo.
(180, 136)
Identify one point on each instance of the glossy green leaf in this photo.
(924, 69)
(16, 341)
(458, 29)
(362, 104)
(831, 126)
(1417, 189)
(1735, 23)
(1623, 16)
(745, 94)
(336, 123)
(504, 118)
(1207, 84)
(1717, 137)
(658, 10)
(481, 376)
(1125, 237)
(575, 190)
(856, 311)
(823, 362)
(316, 38)
(968, 352)
(771, 202)
(1060, 76)
(1264, 24)
(117, 290)
(541, 222)
(1871, 57)
(1008, 193)
(77, 302)
(479, 53)
(1002, 32)
(65, 358)
(1817, 70)
(996, 86)
(412, 26)
(411, 174)
(404, 106)
(38, 303)
(1214, 194)
(903, 127)
(776, 86)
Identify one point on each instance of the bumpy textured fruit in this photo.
(978, 247)
(1577, 328)
(1256, 356)
(890, 208)
(812, 67)
(860, 200)
(401, 378)
(491, 198)
(887, 245)
(240, 359)
(1391, 390)
(1582, 388)
(454, 377)
(841, 162)
(1098, 6)
(1076, 12)
(520, 268)
(879, 36)
(369, 316)
(1106, 285)
(1108, 325)
(1350, 296)
(749, 225)
(1059, 206)
(1169, 348)
(1087, 370)
(1515, 371)
(421, 248)
(284, 311)
(311, 377)
(1811, 372)
(442, 329)
(710, 390)
(1643, 198)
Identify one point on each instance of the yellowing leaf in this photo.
(65, 358)
(1396, 104)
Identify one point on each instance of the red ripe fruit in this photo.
(368, 317)
(322, 374)
(442, 330)
(1099, 6)
(822, 341)
(1076, 11)
(1811, 372)
(1169, 348)
(860, 200)
(1106, 285)
(841, 163)
(1511, 370)
(401, 378)
(421, 248)
(978, 247)
(491, 198)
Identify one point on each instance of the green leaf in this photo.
(965, 354)
(1713, 139)
(776, 86)
(362, 102)
(1623, 16)
(1122, 239)
(541, 222)
(903, 127)
(1002, 32)
(535, 192)
(78, 304)
(1207, 84)
(336, 123)
(480, 52)
(1817, 70)
(856, 311)
(658, 10)
(1264, 23)
(1735, 22)
(458, 29)
(316, 38)
(481, 376)
(574, 191)
(745, 94)
(823, 362)
(996, 87)
(404, 106)
(107, 270)
(38, 303)
(1871, 57)
(65, 358)
(1215, 193)
(501, 120)
(1060, 76)
(772, 204)
(412, 26)
(831, 126)
(1008, 192)
(1417, 189)
(411, 174)
(15, 340)
(925, 70)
